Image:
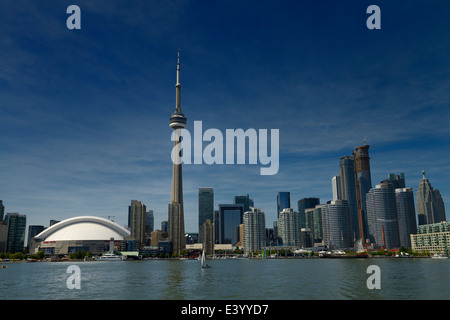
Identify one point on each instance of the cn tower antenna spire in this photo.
(178, 86)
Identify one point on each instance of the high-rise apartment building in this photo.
(406, 215)
(382, 216)
(348, 190)
(205, 208)
(336, 225)
(254, 222)
(176, 208)
(336, 187)
(363, 185)
(430, 206)
(16, 232)
(137, 221)
(289, 230)
(283, 201)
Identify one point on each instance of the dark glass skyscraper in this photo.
(348, 190)
(303, 204)
(230, 218)
(245, 200)
(406, 215)
(283, 201)
(205, 208)
(16, 232)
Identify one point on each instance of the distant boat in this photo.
(110, 257)
(439, 256)
(203, 261)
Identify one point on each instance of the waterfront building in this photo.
(430, 206)
(433, 238)
(289, 227)
(205, 208)
(406, 215)
(382, 216)
(254, 227)
(33, 230)
(303, 204)
(176, 209)
(348, 190)
(16, 231)
(363, 185)
(336, 187)
(336, 225)
(88, 233)
(283, 201)
(137, 221)
(229, 218)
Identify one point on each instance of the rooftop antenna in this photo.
(423, 174)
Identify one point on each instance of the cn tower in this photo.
(176, 211)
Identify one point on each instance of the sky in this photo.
(84, 113)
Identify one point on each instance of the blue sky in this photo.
(84, 113)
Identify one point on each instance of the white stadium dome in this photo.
(89, 233)
(84, 228)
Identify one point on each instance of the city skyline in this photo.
(84, 112)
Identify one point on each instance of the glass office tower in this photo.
(283, 201)
(205, 208)
(229, 219)
(348, 192)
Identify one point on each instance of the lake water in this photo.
(247, 279)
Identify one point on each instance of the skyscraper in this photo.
(16, 232)
(283, 201)
(382, 216)
(289, 227)
(430, 207)
(245, 200)
(336, 187)
(229, 219)
(176, 211)
(303, 204)
(205, 208)
(33, 230)
(363, 184)
(336, 225)
(137, 221)
(348, 189)
(2, 210)
(406, 215)
(254, 230)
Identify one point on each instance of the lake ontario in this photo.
(229, 279)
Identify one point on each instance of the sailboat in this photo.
(203, 262)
